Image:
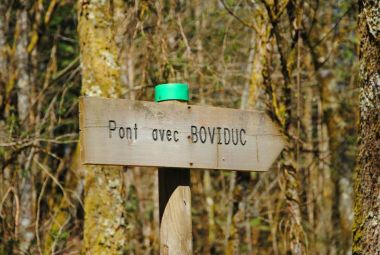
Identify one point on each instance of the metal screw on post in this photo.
(174, 188)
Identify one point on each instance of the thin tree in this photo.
(23, 106)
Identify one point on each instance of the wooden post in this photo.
(175, 206)
(175, 211)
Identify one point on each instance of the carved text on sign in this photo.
(199, 134)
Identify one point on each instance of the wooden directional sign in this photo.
(138, 133)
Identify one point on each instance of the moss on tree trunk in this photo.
(104, 227)
(366, 227)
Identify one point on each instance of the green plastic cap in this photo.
(171, 91)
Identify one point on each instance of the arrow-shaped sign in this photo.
(138, 133)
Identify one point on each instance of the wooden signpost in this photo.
(121, 132)
(173, 135)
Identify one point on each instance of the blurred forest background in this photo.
(296, 60)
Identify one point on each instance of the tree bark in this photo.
(22, 61)
(104, 226)
(366, 227)
(23, 105)
(3, 48)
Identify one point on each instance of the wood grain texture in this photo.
(259, 146)
(175, 211)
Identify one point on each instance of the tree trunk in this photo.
(366, 227)
(23, 105)
(104, 226)
(3, 52)
(22, 61)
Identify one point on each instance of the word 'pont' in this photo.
(124, 132)
(218, 135)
